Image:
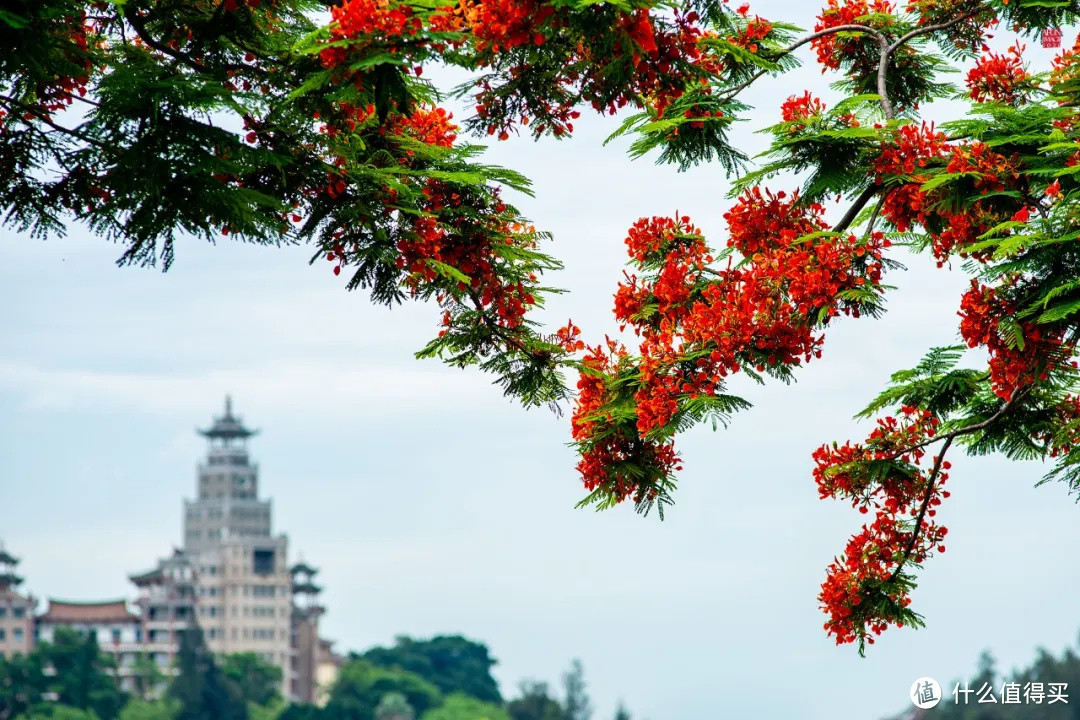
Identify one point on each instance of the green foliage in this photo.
(394, 706)
(535, 704)
(259, 681)
(463, 707)
(451, 663)
(361, 686)
(52, 711)
(21, 684)
(81, 674)
(144, 710)
(201, 690)
(576, 704)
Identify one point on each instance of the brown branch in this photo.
(140, 29)
(874, 215)
(922, 510)
(139, 26)
(967, 429)
(882, 77)
(856, 208)
(948, 438)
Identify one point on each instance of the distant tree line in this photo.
(1030, 693)
(444, 678)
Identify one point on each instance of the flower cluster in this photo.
(698, 325)
(1000, 77)
(606, 445)
(1065, 67)
(834, 51)
(1021, 353)
(799, 108)
(884, 475)
(908, 159)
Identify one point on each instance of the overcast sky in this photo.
(434, 505)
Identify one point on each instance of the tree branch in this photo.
(948, 437)
(140, 29)
(922, 510)
(795, 46)
(44, 118)
(934, 28)
(856, 208)
(882, 77)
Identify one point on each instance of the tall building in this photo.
(16, 611)
(244, 586)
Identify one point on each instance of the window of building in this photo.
(262, 562)
(3, 611)
(1, 633)
(18, 612)
(116, 637)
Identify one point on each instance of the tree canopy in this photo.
(361, 687)
(296, 121)
(449, 662)
(259, 682)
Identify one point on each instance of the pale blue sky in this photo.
(433, 505)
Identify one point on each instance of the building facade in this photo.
(166, 603)
(16, 611)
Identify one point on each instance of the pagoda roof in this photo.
(7, 558)
(10, 580)
(62, 612)
(303, 567)
(144, 578)
(227, 426)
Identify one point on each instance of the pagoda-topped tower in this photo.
(227, 503)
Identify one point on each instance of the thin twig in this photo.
(933, 28)
(43, 117)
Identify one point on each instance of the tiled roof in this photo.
(62, 611)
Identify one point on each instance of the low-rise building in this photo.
(117, 630)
